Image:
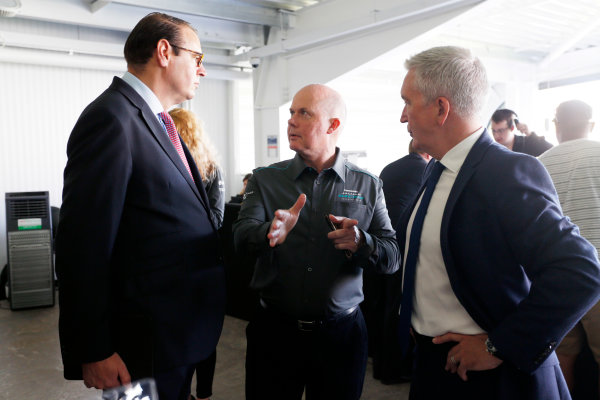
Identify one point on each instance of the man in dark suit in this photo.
(141, 283)
(401, 180)
(494, 274)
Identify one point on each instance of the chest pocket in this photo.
(353, 210)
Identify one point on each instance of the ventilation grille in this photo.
(30, 267)
(27, 208)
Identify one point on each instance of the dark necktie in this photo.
(408, 286)
(174, 136)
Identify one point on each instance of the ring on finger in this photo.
(453, 360)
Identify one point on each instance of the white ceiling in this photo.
(533, 31)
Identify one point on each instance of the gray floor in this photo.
(30, 366)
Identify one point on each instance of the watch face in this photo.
(490, 347)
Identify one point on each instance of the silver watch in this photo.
(490, 348)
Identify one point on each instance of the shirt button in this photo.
(309, 269)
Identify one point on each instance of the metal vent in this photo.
(27, 208)
(31, 272)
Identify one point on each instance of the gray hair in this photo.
(453, 73)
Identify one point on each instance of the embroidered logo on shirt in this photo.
(351, 196)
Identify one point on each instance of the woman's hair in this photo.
(191, 131)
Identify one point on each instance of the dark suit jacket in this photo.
(533, 144)
(517, 265)
(401, 181)
(136, 254)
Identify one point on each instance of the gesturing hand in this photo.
(347, 236)
(284, 221)
(105, 374)
(468, 355)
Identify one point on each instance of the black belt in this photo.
(307, 325)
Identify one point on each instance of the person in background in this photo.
(308, 331)
(504, 122)
(574, 166)
(401, 180)
(494, 274)
(238, 198)
(142, 284)
(192, 132)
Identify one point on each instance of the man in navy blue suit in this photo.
(499, 275)
(141, 282)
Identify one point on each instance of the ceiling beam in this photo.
(32, 57)
(92, 48)
(220, 9)
(569, 42)
(334, 27)
(99, 4)
(289, 5)
(121, 17)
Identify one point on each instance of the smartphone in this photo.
(332, 227)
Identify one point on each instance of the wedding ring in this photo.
(452, 360)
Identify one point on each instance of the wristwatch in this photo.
(490, 348)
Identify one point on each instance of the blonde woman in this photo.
(191, 131)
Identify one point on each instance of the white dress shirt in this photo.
(436, 310)
(146, 93)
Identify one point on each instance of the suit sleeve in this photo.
(216, 197)
(562, 267)
(380, 252)
(95, 186)
(251, 228)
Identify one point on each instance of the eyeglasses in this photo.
(501, 131)
(197, 56)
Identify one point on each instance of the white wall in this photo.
(39, 108)
(40, 105)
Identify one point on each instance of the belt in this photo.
(307, 325)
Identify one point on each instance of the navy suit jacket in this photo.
(516, 264)
(136, 252)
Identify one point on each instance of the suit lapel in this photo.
(464, 176)
(159, 134)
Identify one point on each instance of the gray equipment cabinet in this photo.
(29, 249)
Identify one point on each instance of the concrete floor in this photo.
(31, 368)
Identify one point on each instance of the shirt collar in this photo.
(298, 166)
(455, 157)
(144, 91)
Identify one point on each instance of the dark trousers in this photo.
(205, 372)
(432, 381)
(282, 360)
(174, 384)
(136, 352)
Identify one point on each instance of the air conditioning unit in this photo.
(29, 249)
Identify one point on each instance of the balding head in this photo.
(317, 116)
(573, 120)
(328, 101)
